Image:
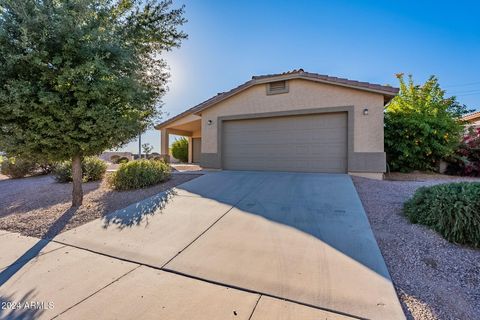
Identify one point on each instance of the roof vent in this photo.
(277, 87)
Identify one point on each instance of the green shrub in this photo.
(422, 126)
(451, 209)
(180, 149)
(45, 167)
(93, 169)
(139, 174)
(18, 167)
(114, 158)
(63, 171)
(122, 160)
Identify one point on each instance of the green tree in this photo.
(422, 126)
(147, 148)
(78, 77)
(180, 149)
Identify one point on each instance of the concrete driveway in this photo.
(227, 245)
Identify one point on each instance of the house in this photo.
(293, 121)
(472, 119)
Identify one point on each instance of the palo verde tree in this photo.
(422, 126)
(78, 77)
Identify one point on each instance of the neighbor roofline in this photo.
(471, 116)
(387, 91)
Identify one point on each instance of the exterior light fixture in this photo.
(209, 122)
(365, 112)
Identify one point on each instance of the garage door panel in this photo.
(313, 143)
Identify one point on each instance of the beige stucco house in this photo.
(294, 121)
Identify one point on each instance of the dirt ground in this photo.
(40, 207)
(435, 279)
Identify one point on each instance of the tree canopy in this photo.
(78, 77)
(422, 126)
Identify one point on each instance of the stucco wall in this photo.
(303, 94)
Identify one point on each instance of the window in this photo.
(277, 87)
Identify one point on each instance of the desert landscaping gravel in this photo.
(434, 279)
(40, 207)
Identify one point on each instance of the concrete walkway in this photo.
(227, 245)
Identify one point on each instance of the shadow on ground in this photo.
(25, 308)
(325, 206)
(138, 212)
(34, 251)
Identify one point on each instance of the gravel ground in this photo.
(434, 279)
(186, 167)
(40, 207)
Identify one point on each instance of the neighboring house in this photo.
(294, 121)
(113, 156)
(472, 119)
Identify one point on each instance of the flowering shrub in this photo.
(466, 161)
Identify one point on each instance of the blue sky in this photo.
(229, 41)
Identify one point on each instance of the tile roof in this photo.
(334, 80)
(388, 91)
(471, 116)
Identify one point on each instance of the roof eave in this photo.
(388, 95)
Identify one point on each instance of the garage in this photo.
(303, 143)
(292, 121)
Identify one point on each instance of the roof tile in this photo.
(385, 89)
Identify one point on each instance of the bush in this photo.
(114, 158)
(122, 160)
(46, 167)
(139, 174)
(63, 171)
(93, 169)
(466, 161)
(451, 209)
(18, 167)
(180, 149)
(422, 127)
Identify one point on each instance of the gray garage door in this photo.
(313, 143)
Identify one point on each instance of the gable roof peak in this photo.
(387, 91)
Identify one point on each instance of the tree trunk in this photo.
(77, 192)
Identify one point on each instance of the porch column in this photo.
(164, 145)
(190, 150)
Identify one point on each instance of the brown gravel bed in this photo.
(40, 207)
(426, 176)
(435, 279)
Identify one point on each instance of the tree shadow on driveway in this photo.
(17, 309)
(138, 212)
(34, 251)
